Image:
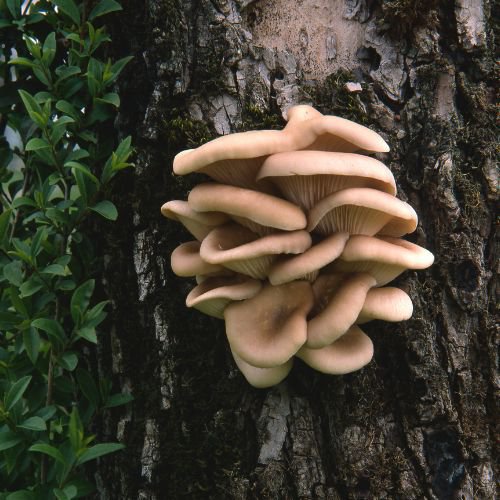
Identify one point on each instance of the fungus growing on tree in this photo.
(296, 237)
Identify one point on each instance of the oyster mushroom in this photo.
(268, 329)
(306, 177)
(212, 295)
(259, 212)
(235, 158)
(198, 224)
(387, 303)
(237, 248)
(363, 211)
(384, 258)
(349, 353)
(262, 377)
(342, 308)
(186, 261)
(307, 264)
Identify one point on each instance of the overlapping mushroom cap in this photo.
(294, 240)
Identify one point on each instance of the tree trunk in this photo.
(417, 422)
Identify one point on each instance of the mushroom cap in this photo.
(252, 209)
(388, 304)
(306, 177)
(212, 295)
(342, 310)
(262, 377)
(307, 264)
(198, 224)
(268, 329)
(241, 250)
(362, 211)
(235, 158)
(384, 258)
(186, 261)
(349, 353)
(332, 133)
(301, 112)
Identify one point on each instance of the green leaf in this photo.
(21, 495)
(69, 360)
(8, 439)
(34, 424)
(52, 328)
(47, 412)
(80, 300)
(37, 241)
(14, 7)
(16, 392)
(32, 342)
(75, 430)
(104, 7)
(22, 61)
(64, 72)
(49, 48)
(88, 333)
(111, 98)
(84, 169)
(68, 108)
(69, 8)
(117, 68)
(54, 269)
(88, 386)
(99, 450)
(36, 144)
(28, 288)
(107, 209)
(46, 449)
(68, 493)
(23, 201)
(4, 223)
(33, 108)
(118, 400)
(13, 272)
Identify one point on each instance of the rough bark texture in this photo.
(418, 421)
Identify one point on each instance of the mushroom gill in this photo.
(306, 177)
(239, 249)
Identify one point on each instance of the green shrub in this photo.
(57, 158)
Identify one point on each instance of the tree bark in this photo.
(417, 422)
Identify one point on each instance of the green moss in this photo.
(253, 118)
(401, 17)
(332, 97)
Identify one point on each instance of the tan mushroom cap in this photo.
(237, 248)
(235, 158)
(186, 261)
(341, 311)
(268, 329)
(262, 377)
(301, 112)
(388, 304)
(384, 258)
(307, 264)
(306, 177)
(259, 212)
(198, 224)
(349, 353)
(361, 211)
(212, 295)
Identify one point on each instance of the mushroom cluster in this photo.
(296, 237)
